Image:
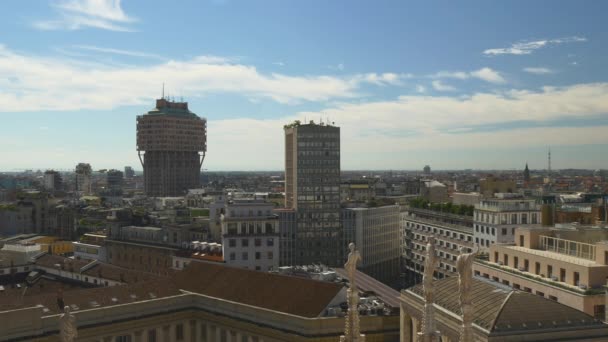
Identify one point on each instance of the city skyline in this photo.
(468, 86)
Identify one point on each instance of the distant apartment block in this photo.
(250, 234)
(171, 144)
(83, 178)
(312, 188)
(52, 180)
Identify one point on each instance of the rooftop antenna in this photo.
(549, 166)
(163, 97)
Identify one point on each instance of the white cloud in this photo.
(281, 64)
(420, 88)
(527, 47)
(485, 74)
(78, 14)
(488, 75)
(440, 86)
(118, 51)
(36, 83)
(379, 134)
(538, 70)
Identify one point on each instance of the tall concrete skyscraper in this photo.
(312, 189)
(171, 144)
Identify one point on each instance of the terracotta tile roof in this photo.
(293, 295)
(500, 308)
(48, 260)
(94, 297)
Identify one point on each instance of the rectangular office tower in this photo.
(171, 144)
(312, 189)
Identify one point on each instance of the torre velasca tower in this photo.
(312, 189)
(171, 144)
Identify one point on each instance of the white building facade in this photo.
(250, 235)
(376, 234)
(495, 219)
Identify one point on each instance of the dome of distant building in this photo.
(427, 169)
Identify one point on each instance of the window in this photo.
(513, 218)
(123, 338)
(562, 275)
(549, 271)
(515, 262)
(270, 255)
(542, 294)
(258, 242)
(270, 242)
(245, 256)
(257, 255)
(553, 298)
(179, 332)
(521, 240)
(576, 278)
(493, 232)
(599, 312)
(152, 335)
(496, 257)
(524, 218)
(537, 268)
(245, 242)
(534, 218)
(232, 242)
(504, 231)
(232, 256)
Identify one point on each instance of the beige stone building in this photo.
(500, 314)
(566, 265)
(204, 302)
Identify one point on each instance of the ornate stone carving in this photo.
(351, 325)
(464, 266)
(428, 332)
(67, 326)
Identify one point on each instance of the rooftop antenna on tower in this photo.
(163, 97)
(549, 166)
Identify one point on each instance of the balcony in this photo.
(551, 281)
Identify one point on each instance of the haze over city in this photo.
(470, 85)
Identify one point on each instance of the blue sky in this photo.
(455, 85)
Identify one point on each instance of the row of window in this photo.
(441, 232)
(250, 228)
(538, 269)
(514, 218)
(258, 256)
(256, 242)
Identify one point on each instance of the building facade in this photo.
(449, 237)
(171, 143)
(287, 239)
(83, 178)
(375, 232)
(567, 265)
(495, 219)
(312, 189)
(250, 235)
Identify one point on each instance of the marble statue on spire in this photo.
(351, 325)
(431, 261)
(67, 326)
(464, 266)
